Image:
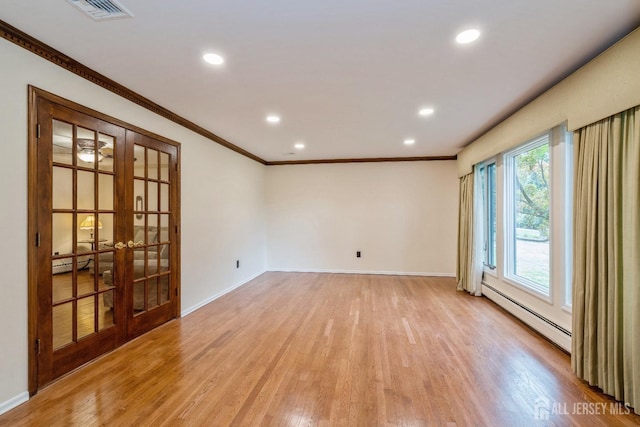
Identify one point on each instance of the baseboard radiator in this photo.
(547, 327)
(66, 265)
(61, 266)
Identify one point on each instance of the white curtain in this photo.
(470, 238)
(606, 260)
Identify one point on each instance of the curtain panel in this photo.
(468, 272)
(606, 260)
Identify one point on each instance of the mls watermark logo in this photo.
(541, 409)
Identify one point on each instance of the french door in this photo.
(104, 213)
(151, 292)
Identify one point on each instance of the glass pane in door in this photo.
(105, 316)
(139, 161)
(105, 260)
(63, 188)
(164, 228)
(85, 194)
(138, 196)
(62, 233)
(152, 164)
(164, 258)
(62, 279)
(86, 282)
(86, 153)
(62, 149)
(105, 190)
(107, 152)
(106, 270)
(62, 317)
(139, 263)
(164, 197)
(152, 194)
(164, 167)
(139, 296)
(152, 228)
(105, 231)
(86, 316)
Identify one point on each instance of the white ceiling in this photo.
(346, 76)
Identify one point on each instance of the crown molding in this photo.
(362, 160)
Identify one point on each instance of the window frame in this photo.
(568, 187)
(489, 247)
(509, 198)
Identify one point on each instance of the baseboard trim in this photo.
(218, 295)
(8, 405)
(538, 323)
(384, 273)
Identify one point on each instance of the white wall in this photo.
(402, 216)
(222, 204)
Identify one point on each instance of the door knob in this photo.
(133, 244)
(119, 245)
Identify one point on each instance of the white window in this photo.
(527, 208)
(488, 194)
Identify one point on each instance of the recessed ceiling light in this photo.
(427, 111)
(468, 36)
(213, 58)
(272, 118)
(299, 145)
(409, 141)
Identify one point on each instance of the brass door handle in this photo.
(119, 245)
(133, 244)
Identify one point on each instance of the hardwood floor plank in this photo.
(293, 349)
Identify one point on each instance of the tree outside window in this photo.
(529, 252)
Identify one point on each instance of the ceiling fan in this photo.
(87, 152)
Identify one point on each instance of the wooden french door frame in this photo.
(36, 205)
(72, 317)
(150, 276)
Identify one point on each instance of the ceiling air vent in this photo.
(101, 10)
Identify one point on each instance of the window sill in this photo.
(490, 271)
(515, 283)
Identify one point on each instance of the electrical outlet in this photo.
(358, 254)
(237, 263)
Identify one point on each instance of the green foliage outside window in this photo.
(532, 193)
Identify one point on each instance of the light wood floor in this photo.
(325, 349)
